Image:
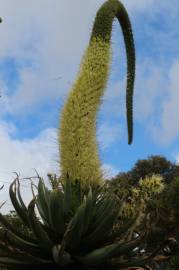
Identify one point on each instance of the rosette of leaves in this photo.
(68, 230)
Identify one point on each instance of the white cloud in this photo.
(177, 159)
(169, 130)
(108, 134)
(139, 5)
(22, 156)
(150, 85)
(150, 90)
(52, 35)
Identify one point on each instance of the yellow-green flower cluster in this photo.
(79, 157)
(152, 185)
(146, 190)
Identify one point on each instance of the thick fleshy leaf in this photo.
(99, 256)
(74, 229)
(118, 264)
(20, 197)
(13, 263)
(103, 208)
(15, 230)
(67, 206)
(21, 244)
(79, 224)
(104, 226)
(56, 213)
(63, 260)
(41, 212)
(20, 208)
(43, 200)
(42, 237)
(15, 253)
(89, 210)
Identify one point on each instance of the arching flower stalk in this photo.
(79, 157)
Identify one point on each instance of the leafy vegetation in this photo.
(163, 207)
(65, 228)
(71, 229)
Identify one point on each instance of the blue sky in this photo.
(42, 43)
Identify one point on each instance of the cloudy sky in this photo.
(42, 42)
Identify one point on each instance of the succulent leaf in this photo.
(14, 230)
(61, 260)
(56, 214)
(98, 256)
(43, 198)
(67, 197)
(104, 227)
(74, 229)
(42, 237)
(19, 207)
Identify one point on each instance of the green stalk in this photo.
(79, 157)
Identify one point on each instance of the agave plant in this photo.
(68, 230)
(78, 225)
